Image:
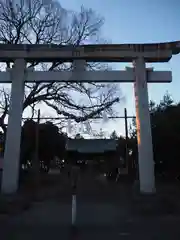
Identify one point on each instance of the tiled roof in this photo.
(91, 145)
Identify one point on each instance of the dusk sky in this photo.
(138, 21)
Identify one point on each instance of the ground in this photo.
(107, 212)
(51, 221)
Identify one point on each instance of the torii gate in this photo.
(136, 53)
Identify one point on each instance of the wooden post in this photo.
(126, 138)
(37, 137)
(36, 154)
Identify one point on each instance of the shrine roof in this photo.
(91, 145)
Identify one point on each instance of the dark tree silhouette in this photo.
(165, 123)
(51, 143)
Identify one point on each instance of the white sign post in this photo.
(74, 182)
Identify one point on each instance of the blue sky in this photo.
(139, 21)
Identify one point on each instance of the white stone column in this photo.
(10, 174)
(144, 136)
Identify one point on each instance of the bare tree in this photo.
(4, 106)
(47, 22)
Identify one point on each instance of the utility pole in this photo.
(36, 153)
(126, 138)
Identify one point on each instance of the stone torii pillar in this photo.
(143, 125)
(10, 174)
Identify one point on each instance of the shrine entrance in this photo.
(93, 166)
(139, 54)
(98, 159)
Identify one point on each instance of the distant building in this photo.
(90, 149)
(91, 146)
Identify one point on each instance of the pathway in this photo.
(98, 218)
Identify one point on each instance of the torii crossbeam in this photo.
(88, 76)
